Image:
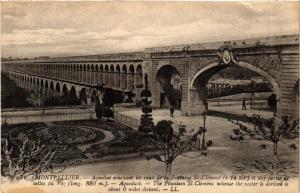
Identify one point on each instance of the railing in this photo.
(259, 102)
(127, 120)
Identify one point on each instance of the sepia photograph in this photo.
(158, 96)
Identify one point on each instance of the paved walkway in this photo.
(194, 122)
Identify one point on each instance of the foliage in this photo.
(12, 95)
(169, 145)
(146, 120)
(130, 95)
(266, 129)
(19, 160)
(104, 101)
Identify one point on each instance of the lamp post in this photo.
(219, 94)
(204, 130)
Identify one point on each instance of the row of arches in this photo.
(73, 93)
(124, 77)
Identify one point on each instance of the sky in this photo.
(31, 29)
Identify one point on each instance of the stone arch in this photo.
(80, 69)
(57, 88)
(106, 75)
(215, 67)
(51, 88)
(46, 85)
(131, 82)
(92, 74)
(139, 74)
(117, 77)
(198, 91)
(59, 70)
(96, 74)
(65, 92)
(88, 74)
(83, 96)
(51, 85)
(168, 85)
(111, 75)
(124, 77)
(73, 92)
(73, 100)
(84, 73)
(42, 83)
(101, 76)
(74, 72)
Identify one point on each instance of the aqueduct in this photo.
(186, 67)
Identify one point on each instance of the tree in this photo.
(19, 160)
(99, 106)
(266, 129)
(146, 120)
(104, 101)
(108, 102)
(169, 145)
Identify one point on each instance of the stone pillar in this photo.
(288, 96)
(197, 103)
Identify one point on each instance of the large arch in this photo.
(168, 82)
(211, 69)
(198, 85)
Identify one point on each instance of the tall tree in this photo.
(266, 129)
(169, 145)
(146, 120)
